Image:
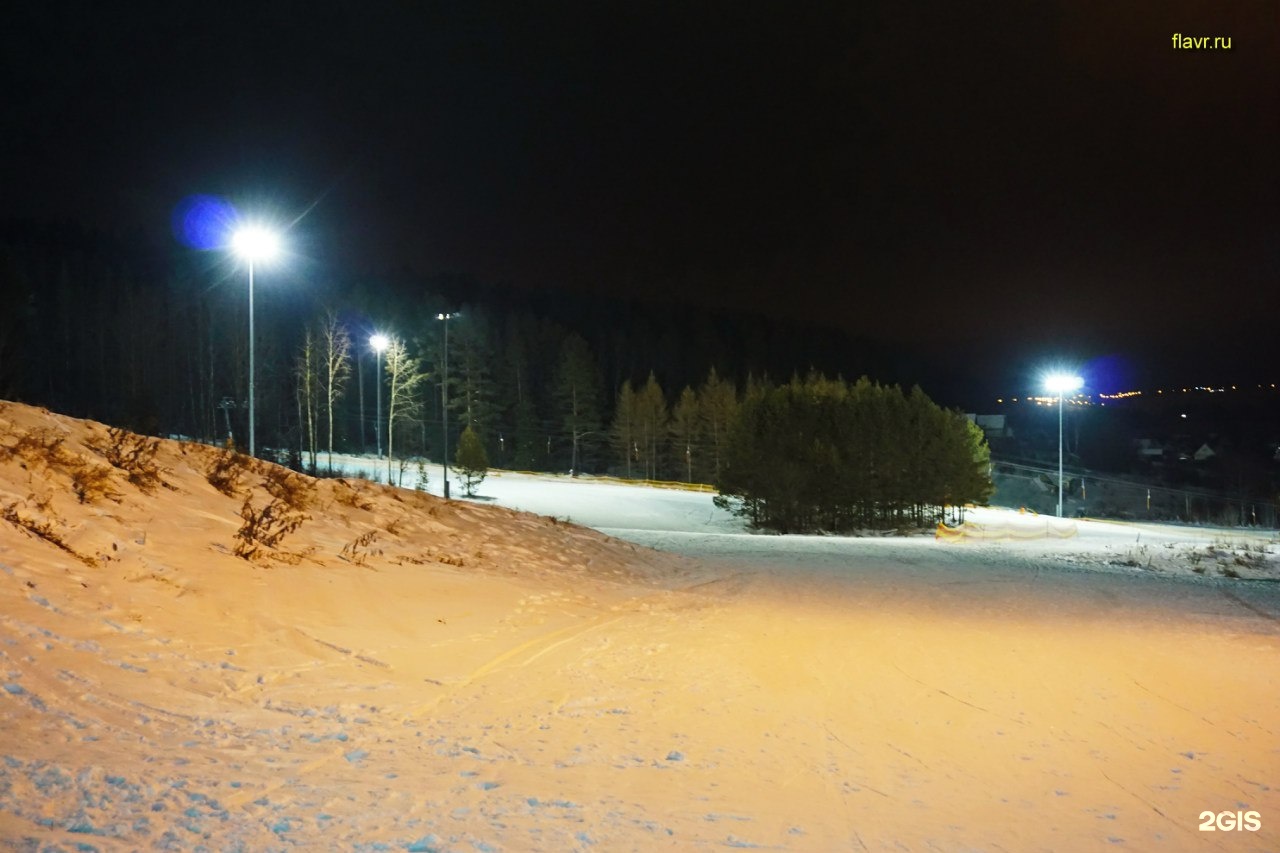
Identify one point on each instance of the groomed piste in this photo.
(395, 672)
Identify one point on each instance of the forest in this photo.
(157, 341)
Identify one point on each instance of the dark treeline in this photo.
(156, 340)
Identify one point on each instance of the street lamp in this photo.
(379, 342)
(1060, 384)
(444, 397)
(253, 243)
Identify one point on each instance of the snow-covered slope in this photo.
(398, 673)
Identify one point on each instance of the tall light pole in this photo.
(444, 398)
(253, 243)
(379, 343)
(1060, 384)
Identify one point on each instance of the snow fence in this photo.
(1038, 528)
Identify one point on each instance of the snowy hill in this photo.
(395, 672)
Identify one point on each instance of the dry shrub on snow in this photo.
(39, 446)
(226, 471)
(289, 487)
(92, 483)
(265, 527)
(134, 454)
(42, 528)
(358, 550)
(348, 495)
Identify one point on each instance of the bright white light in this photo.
(1062, 383)
(379, 342)
(255, 244)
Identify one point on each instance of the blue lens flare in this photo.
(204, 221)
(1110, 374)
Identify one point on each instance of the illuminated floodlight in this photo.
(379, 342)
(254, 243)
(1062, 383)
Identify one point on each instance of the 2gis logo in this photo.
(1228, 821)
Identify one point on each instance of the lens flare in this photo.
(204, 221)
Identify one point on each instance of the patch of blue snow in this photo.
(356, 755)
(425, 844)
(673, 755)
(281, 826)
(584, 838)
(15, 689)
(489, 786)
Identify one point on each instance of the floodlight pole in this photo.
(252, 445)
(444, 401)
(1060, 396)
(377, 412)
(252, 243)
(379, 342)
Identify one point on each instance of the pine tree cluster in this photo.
(821, 454)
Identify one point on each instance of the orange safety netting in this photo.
(1046, 529)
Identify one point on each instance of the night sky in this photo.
(992, 181)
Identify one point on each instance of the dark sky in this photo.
(1022, 178)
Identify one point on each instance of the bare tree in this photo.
(305, 370)
(404, 375)
(335, 346)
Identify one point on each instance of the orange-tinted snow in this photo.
(476, 678)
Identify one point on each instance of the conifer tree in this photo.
(686, 424)
(625, 432)
(651, 408)
(717, 409)
(578, 400)
(471, 462)
(471, 386)
(821, 454)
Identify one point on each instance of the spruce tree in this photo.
(471, 462)
(685, 434)
(651, 406)
(717, 410)
(625, 432)
(577, 399)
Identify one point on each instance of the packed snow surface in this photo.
(402, 673)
